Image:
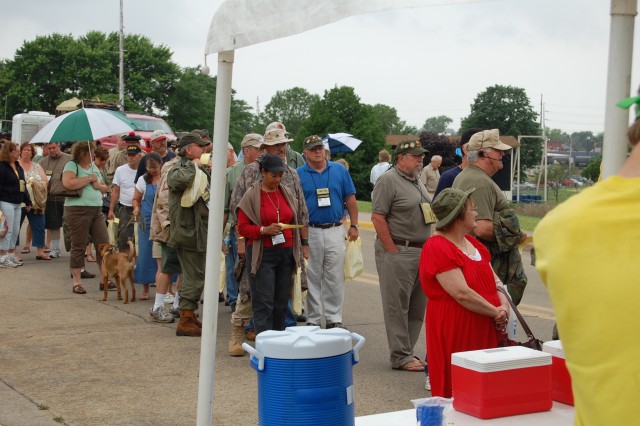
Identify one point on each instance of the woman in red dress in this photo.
(464, 308)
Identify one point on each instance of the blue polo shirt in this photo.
(335, 177)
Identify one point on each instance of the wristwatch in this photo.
(354, 226)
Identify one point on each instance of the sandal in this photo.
(415, 365)
(43, 257)
(144, 297)
(78, 289)
(25, 250)
(47, 249)
(90, 257)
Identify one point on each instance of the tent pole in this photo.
(214, 239)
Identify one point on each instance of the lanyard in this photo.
(313, 179)
(272, 203)
(415, 183)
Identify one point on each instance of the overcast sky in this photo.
(423, 62)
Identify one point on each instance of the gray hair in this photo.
(472, 157)
(436, 158)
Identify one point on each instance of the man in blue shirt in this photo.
(327, 189)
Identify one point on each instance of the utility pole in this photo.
(257, 105)
(121, 83)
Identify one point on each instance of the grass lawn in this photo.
(528, 213)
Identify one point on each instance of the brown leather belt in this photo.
(324, 225)
(407, 243)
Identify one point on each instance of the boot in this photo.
(236, 340)
(187, 325)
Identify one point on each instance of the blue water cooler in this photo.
(305, 376)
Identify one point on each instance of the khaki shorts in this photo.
(156, 250)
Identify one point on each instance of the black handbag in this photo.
(504, 340)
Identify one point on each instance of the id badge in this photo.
(206, 198)
(277, 239)
(22, 186)
(429, 217)
(323, 197)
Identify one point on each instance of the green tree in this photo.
(391, 124)
(592, 171)
(290, 107)
(53, 68)
(437, 124)
(340, 110)
(192, 106)
(508, 109)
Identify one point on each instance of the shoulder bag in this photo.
(61, 191)
(504, 340)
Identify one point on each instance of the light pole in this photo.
(570, 151)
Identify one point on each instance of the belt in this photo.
(408, 243)
(122, 206)
(324, 225)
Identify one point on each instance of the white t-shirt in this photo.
(124, 178)
(377, 171)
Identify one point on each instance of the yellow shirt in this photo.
(588, 255)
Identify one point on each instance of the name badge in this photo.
(323, 197)
(277, 239)
(22, 187)
(429, 217)
(49, 173)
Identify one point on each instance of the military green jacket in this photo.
(188, 224)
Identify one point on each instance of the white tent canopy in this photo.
(241, 23)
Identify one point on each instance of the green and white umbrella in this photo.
(86, 124)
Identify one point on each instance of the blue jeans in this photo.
(36, 221)
(230, 265)
(12, 216)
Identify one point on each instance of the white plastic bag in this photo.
(223, 272)
(353, 263)
(296, 293)
(112, 230)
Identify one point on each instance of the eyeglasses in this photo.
(473, 209)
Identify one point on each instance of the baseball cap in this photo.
(190, 138)
(252, 139)
(133, 150)
(410, 147)
(272, 163)
(487, 139)
(158, 134)
(312, 141)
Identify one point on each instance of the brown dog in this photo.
(120, 266)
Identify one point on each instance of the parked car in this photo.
(147, 124)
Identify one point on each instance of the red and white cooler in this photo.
(560, 379)
(501, 382)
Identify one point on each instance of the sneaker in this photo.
(7, 263)
(427, 384)
(169, 299)
(15, 259)
(160, 315)
(175, 312)
(54, 253)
